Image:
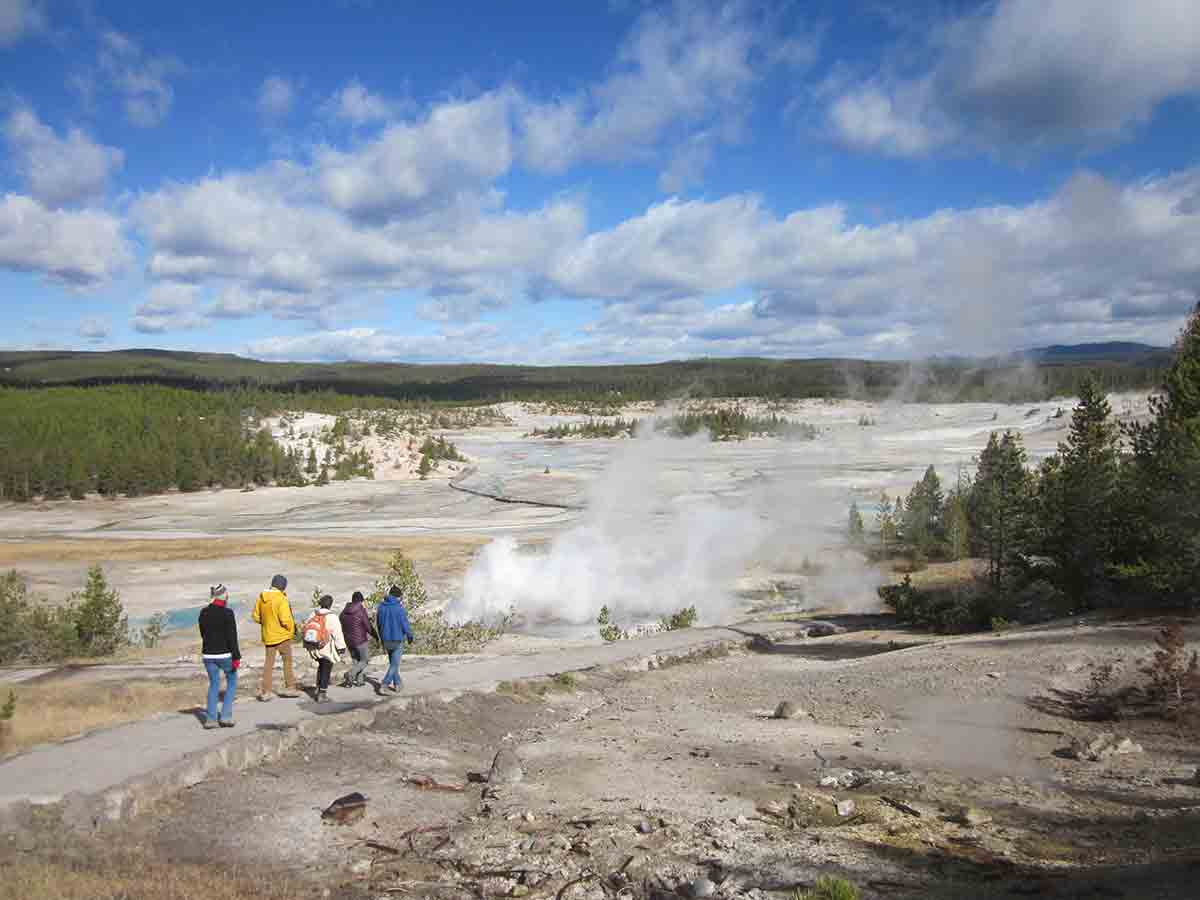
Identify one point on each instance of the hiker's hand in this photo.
(237, 664)
(410, 639)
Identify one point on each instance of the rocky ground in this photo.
(913, 768)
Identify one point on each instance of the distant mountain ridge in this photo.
(1059, 369)
(1104, 350)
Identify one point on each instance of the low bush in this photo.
(1164, 686)
(92, 622)
(608, 630)
(684, 618)
(1173, 675)
(949, 609)
(433, 634)
(829, 888)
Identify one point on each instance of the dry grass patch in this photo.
(64, 708)
(441, 552)
(945, 574)
(128, 877)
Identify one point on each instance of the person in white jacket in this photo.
(326, 654)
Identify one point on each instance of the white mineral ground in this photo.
(664, 524)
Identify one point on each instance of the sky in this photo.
(623, 181)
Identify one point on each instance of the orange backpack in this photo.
(315, 632)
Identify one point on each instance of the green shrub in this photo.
(566, 681)
(9, 709)
(433, 635)
(954, 610)
(829, 888)
(999, 623)
(152, 631)
(100, 619)
(684, 618)
(608, 631)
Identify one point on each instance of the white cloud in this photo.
(412, 210)
(374, 345)
(1095, 258)
(140, 78)
(275, 98)
(77, 247)
(19, 18)
(59, 171)
(1029, 74)
(358, 106)
(169, 306)
(92, 329)
(898, 120)
(685, 70)
(451, 155)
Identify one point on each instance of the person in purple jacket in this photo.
(358, 629)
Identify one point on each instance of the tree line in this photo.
(68, 442)
(1112, 518)
(1001, 380)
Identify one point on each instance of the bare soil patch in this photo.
(639, 785)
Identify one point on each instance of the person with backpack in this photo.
(221, 655)
(274, 614)
(391, 621)
(323, 638)
(358, 629)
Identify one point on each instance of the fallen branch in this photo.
(427, 783)
(902, 807)
(562, 891)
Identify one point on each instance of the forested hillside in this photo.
(133, 440)
(1006, 379)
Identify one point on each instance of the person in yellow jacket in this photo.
(274, 614)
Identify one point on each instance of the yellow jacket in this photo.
(274, 614)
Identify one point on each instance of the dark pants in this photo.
(324, 670)
(362, 656)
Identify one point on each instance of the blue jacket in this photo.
(392, 620)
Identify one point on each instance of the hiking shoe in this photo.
(322, 696)
(210, 724)
(227, 723)
(362, 682)
(394, 688)
(288, 695)
(263, 698)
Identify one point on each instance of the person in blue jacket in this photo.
(391, 621)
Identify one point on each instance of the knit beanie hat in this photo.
(219, 592)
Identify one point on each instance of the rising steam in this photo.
(674, 523)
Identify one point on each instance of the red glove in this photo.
(237, 664)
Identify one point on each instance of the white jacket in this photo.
(337, 640)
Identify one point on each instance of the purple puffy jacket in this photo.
(356, 623)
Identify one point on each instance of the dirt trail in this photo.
(638, 785)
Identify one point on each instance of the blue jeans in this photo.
(215, 667)
(395, 650)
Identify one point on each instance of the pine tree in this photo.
(1000, 504)
(955, 521)
(1161, 543)
(854, 527)
(310, 466)
(99, 616)
(885, 521)
(922, 523)
(1077, 497)
(425, 467)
